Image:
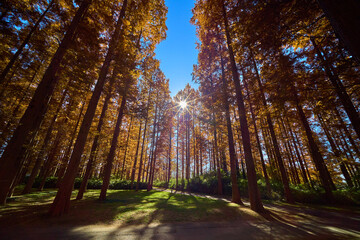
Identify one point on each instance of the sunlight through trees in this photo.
(85, 103)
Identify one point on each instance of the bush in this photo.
(93, 183)
(50, 182)
(124, 184)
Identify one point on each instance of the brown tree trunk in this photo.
(10, 162)
(234, 185)
(110, 157)
(177, 153)
(216, 159)
(153, 146)
(135, 158)
(61, 202)
(267, 181)
(348, 135)
(52, 156)
(303, 172)
(169, 167)
(126, 148)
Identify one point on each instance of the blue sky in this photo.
(177, 53)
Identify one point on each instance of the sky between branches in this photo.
(177, 53)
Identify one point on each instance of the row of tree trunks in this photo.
(284, 178)
(95, 144)
(30, 122)
(254, 194)
(61, 202)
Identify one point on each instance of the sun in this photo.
(183, 104)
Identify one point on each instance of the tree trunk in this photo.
(53, 153)
(234, 185)
(348, 135)
(267, 181)
(303, 172)
(177, 153)
(135, 158)
(110, 157)
(169, 168)
(153, 147)
(126, 148)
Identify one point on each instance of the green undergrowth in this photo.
(93, 183)
(208, 184)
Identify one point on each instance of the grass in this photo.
(126, 208)
(123, 207)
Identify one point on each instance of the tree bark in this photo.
(267, 181)
(169, 168)
(126, 148)
(177, 153)
(234, 185)
(135, 158)
(110, 157)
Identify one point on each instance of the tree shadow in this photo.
(148, 215)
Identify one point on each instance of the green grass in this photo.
(122, 207)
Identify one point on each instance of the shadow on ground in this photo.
(168, 215)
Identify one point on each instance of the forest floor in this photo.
(164, 214)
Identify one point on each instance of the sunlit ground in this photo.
(130, 211)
